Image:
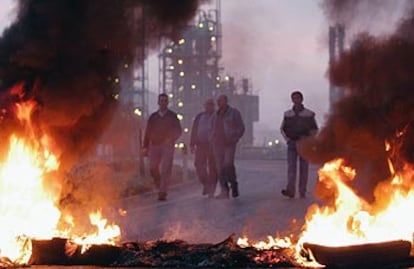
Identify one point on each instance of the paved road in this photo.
(259, 211)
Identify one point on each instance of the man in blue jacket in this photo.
(227, 129)
(200, 145)
(163, 129)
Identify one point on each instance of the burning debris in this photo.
(227, 254)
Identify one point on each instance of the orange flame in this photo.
(28, 206)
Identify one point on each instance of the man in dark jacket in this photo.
(298, 122)
(200, 145)
(227, 129)
(163, 129)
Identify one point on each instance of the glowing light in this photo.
(180, 117)
(193, 86)
(138, 112)
(226, 78)
(211, 28)
(168, 50)
(277, 142)
(171, 67)
(116, 80)
(180, 61)
(116, 96)
(180, 104)
(181, 88)
(218, 78)
(201, 25)
(181, 41)
(218, 85)
(270, 143)
(213, 39)
(171, 95)
(126, 66)
(186, 130)
(181, 74)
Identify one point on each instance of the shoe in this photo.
(288, 194)
(223, 195)
(162, 196)
(234, 190)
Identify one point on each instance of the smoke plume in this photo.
(376, 75)
(67, 53)
(66, 56)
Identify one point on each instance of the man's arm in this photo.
(282, 130)
(194, 131)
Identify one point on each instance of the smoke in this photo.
(376, 74)
(66, 56)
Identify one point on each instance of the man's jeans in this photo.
(224, 157)
(292, 157)
(161, 157)
(206, 167)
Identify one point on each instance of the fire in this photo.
(353, 221)
(28, 202)
(349, 219)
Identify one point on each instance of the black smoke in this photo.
(376, 74)
(67, 54)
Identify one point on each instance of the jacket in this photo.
(233, 126)
(162, 129)
(296, 125)
(200, 131)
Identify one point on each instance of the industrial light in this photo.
(226, 78)
(180, 117)
(181, 41)
(169, 50)
(180, 104)
(171, 95)
(185, 130)
(211, 28)
(218, 78)
(180, 61)
(138, 112)
(181, 74)
(213, 39)
(126, 66)
(277, 141)
(181, 88)
(116, 80)
(218, 85)
(171, 67)
(200, 25)
(116, 96)
(193, 86)
(270, 143)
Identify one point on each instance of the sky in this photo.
(279, 45)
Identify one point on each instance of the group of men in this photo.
(214, 137)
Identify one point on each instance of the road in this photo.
(260, 210)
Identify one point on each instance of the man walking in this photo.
(200, 144)
(227, 129)
(163, 129)
(298, 122)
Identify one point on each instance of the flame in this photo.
(28, 203)
(351, 220)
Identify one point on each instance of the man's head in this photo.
(222, 101)
(297, 97)
(163, 101)
(209, 105)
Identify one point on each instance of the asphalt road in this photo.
(260, 210)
